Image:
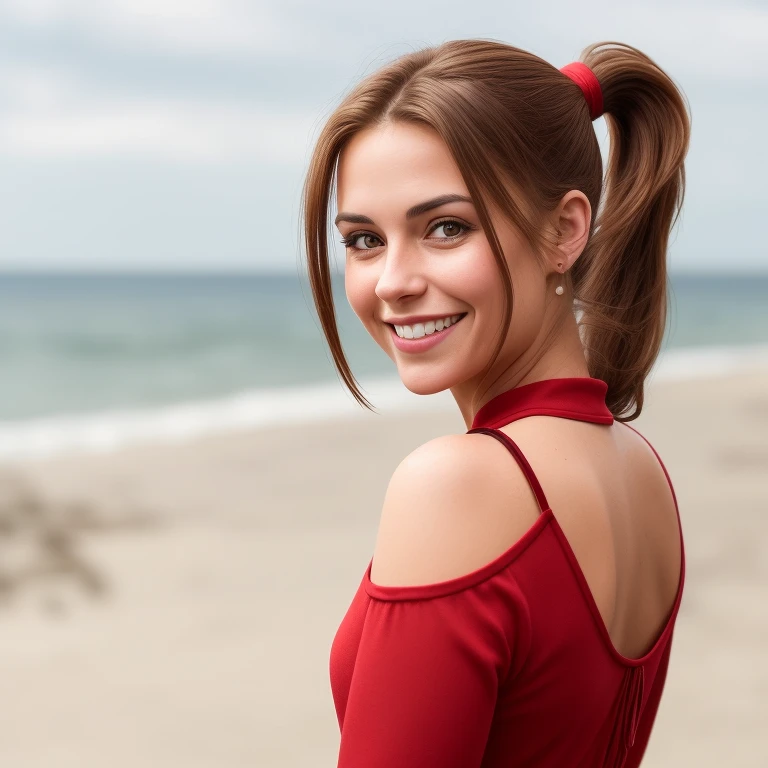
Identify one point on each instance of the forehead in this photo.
(396, 162)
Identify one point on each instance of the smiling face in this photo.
(402, 264)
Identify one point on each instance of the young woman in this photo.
(519, 606)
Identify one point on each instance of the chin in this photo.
(421, 384)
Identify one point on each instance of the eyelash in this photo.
(347, 241)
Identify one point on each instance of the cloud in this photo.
(713, 39)
(49, 115)
(721, 42)
(189, 133)
(230, 27)
(244, 86)
(51, 109)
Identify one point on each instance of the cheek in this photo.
(482, 286)
(360, 289)
(477, 282)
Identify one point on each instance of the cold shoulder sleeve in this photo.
(428, 670)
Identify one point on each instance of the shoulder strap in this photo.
(521, 460)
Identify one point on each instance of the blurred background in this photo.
(181, 526)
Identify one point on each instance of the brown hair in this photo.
(515, 123)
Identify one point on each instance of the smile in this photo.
(426, 341)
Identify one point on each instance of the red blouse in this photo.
(510, 665)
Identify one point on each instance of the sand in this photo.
(174, 605)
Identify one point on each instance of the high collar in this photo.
(573, 397)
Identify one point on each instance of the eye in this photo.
(350, 240)
(451, 224)
(445, 224)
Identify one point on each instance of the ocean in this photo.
(90, 361)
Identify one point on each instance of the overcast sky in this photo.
(174, 134)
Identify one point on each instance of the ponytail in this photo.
(620, 279)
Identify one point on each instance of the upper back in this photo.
(614, 502)
(601, 570)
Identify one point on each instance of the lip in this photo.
(413, 319)
(425, 342)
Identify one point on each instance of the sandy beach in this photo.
(174, 605)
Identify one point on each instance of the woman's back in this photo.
(529, 658)
(614, 502)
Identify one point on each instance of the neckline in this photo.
(570, 397)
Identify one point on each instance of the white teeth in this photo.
(418, 330)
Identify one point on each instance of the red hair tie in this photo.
(585, 78)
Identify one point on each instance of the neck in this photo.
(560, 357)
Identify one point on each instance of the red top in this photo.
(510, 665)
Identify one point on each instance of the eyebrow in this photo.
(411, 213)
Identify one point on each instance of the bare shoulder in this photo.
(452, 505)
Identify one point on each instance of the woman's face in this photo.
(435, 263)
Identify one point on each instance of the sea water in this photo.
(93, 360)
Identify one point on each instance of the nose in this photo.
(401, 274)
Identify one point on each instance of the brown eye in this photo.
(351, 241)
(451, 228)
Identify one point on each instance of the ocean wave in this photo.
(105, 431)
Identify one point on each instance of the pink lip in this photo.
(425, 342)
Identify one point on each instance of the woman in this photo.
(514, 612)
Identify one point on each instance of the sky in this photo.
(175, 134)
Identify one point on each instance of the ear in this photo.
(571, 222)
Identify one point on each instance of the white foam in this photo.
(106, 431)
(703, 362)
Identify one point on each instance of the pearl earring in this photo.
(559, 290)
